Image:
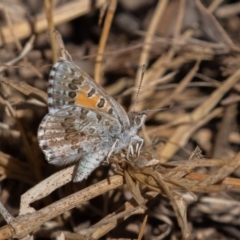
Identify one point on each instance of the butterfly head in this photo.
(137, 119)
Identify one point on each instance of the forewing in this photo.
(74, 131)
(70, 85)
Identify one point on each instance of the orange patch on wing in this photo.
(83, 100)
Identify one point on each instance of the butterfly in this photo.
(84, 125)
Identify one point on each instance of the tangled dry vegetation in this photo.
(185, 183)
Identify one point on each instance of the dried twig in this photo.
(102, 44)
(62, 14)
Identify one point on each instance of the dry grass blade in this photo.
(134, 188)
(26, 89)
(221, 144)
(182, 210)
(102, 44)
(26, 142)
(128, 209)
(181, 217)
(160, 65)
(5, 214)
(47, 186)
(25, 224)
(13, 168)
(197, 115)
(194, 160)
(142, 229)
(44, 188)
(146, 47)
(62, 14)
(108, 223)
(209, 20)
(48, 4)
(27, 48)
(181, 86)
(223, 172)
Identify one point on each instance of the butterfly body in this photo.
(84, 124)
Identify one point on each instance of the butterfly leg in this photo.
(110, 152)
(139, 145)
(130, 149)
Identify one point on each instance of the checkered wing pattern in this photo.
(77, 134)
(70, 85)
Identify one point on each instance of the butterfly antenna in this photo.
(156, 109)
(69, 56)
(139, 86)
(70, 59)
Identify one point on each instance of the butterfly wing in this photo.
(70, 134)
(70, 85)
(83, 121)
(88, 163)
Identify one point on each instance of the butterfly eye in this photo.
(137, 120)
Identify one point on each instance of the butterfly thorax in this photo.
(130, 134)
